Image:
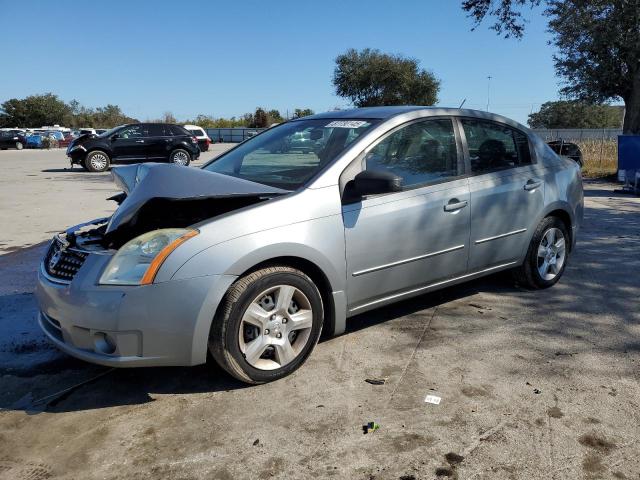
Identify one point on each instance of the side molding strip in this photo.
(508, 234)
(407, 260)
(437, 284)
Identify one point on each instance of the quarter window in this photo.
(495, 147)
(419, 153)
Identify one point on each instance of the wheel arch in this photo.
(98, 148)
(316, 274)
(563, 212)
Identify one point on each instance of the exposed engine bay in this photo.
(166, 196)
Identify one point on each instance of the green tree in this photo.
(302, 112)
(598, 43)
(110, 116)
(370, 77)
(575, 114)
(34, 111)
(274, 117)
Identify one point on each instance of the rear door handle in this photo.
(532, 184)
(454, 205)
(139, 141)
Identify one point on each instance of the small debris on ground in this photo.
(376, 381)
(370, 427)
(432, 399)
(256, 442)
(453, 458)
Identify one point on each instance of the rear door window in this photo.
(155, 130)
(177, 130)
(494, 147)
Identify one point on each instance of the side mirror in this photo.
(370, 182)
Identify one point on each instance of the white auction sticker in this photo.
(432, 399)
(346, 124)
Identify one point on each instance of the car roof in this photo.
(387, 112)
(192, 126)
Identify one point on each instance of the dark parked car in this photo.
(567, 149)
(134, 143)
(10, 139)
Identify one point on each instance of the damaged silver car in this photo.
(255, 254)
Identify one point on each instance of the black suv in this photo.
(134, 143)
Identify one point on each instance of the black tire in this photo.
(91, 161)
(224, 340)
(528, 275)
(180, 153)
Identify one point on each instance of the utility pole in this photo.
(488, 91)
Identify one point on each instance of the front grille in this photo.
(63, 263)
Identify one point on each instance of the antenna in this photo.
(488, 90)
(462, 103)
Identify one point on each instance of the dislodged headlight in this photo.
(138, 260)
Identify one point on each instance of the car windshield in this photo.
(109, 132)
(288, 155)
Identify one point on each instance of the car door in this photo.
(406, 241)
(157, 142)
(128, 145)
(506, 192)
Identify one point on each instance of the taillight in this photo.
(207, 142)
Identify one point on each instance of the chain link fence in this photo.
(232, 135)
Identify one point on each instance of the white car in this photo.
(201, 135)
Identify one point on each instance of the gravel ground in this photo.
(536, 385)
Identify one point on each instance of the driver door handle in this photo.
(139, 141)
(455, 205)
(532, 184)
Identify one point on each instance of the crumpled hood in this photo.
(147, 181)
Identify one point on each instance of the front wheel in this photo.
(547, 255)
(267, 325)
(97, 161)
(19, 145)
(180, 157)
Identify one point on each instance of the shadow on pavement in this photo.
(592, 309)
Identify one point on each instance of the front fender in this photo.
(319, 241)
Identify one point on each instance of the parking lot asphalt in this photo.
(40, 194)
(536, 385)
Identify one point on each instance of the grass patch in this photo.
(600, 157)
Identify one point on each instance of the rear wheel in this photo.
(267, 325)
(19, 145)
(547, 255)
(180, 157)
(97, 161)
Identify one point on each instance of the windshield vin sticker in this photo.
(346, 124)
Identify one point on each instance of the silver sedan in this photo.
(253, 255)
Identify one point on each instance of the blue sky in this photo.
(226, 58)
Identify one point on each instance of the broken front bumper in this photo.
(152, 325)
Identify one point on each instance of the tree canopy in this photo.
(369, 77)
(597, 42)
(48, 109)
(575, 114)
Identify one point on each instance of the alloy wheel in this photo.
(275, 327)
(180, 158)
(552, 253)
(99, 161)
